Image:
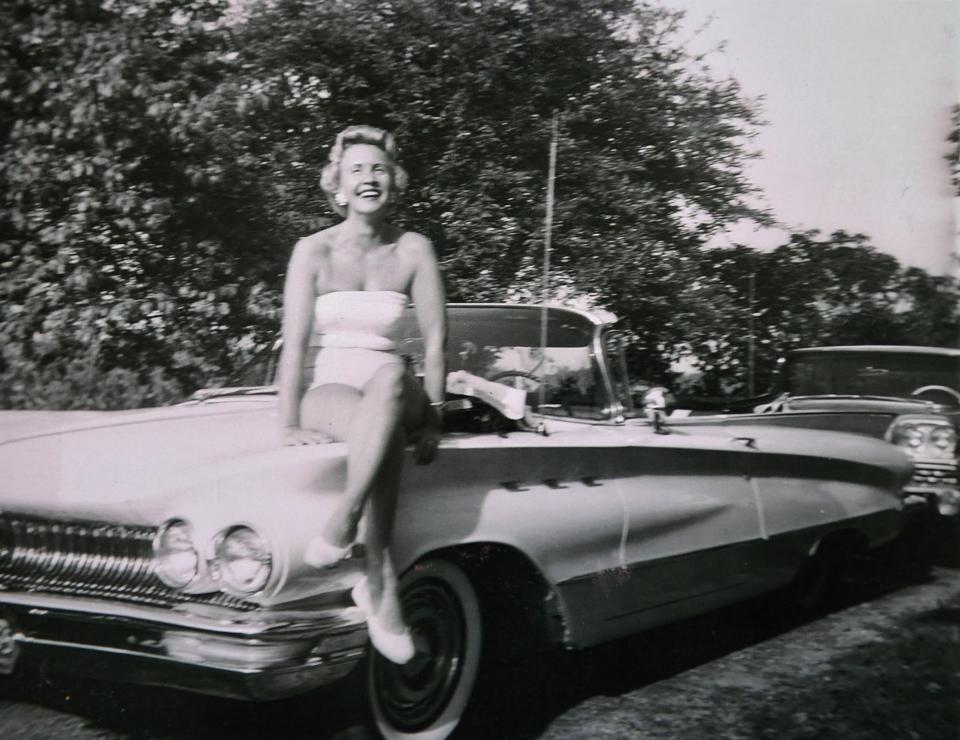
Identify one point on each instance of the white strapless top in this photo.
(365, 319)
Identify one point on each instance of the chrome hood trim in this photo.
(16, 425)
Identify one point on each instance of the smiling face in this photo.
(366, 178)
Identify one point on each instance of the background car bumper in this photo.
(265, 656)
(937, 484)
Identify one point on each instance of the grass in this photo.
(906, 686)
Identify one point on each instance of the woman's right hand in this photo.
(294, 436)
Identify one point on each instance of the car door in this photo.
(694, 525)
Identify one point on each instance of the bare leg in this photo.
(369, 422)
(374, 426)
(381, 513)
(381, 571)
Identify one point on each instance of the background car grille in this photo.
(934, 474)
(89, 559)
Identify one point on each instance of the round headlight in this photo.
(907, 435)
(175, 558)
(243, 560)
(944, 438)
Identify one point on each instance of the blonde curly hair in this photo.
(378, 137)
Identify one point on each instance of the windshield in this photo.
(503, 344)
(869, 373)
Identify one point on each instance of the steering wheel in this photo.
(937, 389)
(554, 408)
(499, 377)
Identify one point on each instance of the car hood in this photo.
(20, 426)
(128, 465)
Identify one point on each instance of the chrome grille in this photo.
(87, 558)
(932, 474)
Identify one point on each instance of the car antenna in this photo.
(548, 233)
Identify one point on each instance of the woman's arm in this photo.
(299, 297)
(430, 306)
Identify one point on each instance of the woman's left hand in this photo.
(428, 440)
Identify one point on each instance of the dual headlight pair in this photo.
(237, 560)
(924, 437)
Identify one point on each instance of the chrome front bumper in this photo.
(263, 654)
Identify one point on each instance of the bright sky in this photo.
(857, 94)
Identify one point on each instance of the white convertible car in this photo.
(165, 546)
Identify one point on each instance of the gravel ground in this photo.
(845, 675)
(884, 662)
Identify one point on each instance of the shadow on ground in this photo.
(529, 695)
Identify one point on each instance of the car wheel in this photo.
(426, 698)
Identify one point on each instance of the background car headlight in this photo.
(242, 560)
(944, 438)
(175, 558)
(908, 435)
(926, 438)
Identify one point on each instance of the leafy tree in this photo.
(930, 308)
(122, 266)
(651, 147)
(160, 157)
(812, 291)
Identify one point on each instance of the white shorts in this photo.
(353, 366)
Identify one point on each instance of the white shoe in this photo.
(397, 647)
(360, 594)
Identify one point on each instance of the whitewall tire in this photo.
(426, 698)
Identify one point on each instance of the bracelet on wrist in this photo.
(437, 404)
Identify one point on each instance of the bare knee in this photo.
(387, 384)
(330, 409)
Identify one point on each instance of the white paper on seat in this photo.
(508, 401)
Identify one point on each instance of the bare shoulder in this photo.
(317, 243)
(313, 248)
(415, 247)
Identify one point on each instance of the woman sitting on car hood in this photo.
(351, 282)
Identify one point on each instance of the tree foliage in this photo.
(160, 158)
(812, 291)
(115, 224)
(651, 148)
